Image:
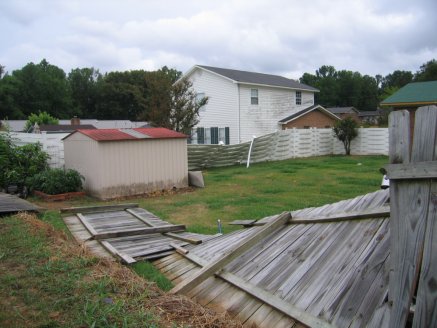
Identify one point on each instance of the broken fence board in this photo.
(418, 170)
(190, 240)
(274, 301)
(89, 209)
(138, 231)
(229, 256)
(86, 224)
(124, 257)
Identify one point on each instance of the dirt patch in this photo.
(170, 310)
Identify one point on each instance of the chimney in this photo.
(75, 121)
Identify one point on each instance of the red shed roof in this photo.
(130, 134)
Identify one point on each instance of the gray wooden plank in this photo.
(426, 309)
(417, 170)
(410, 200)
(137, 231)
(236, 251)
(89, 209)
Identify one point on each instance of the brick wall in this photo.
(314, 119)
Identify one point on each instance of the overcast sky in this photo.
(285, 37)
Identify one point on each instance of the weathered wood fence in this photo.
(51, 144)
(286, 144)
(413, 198)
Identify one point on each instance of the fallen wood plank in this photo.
(101, 208)
(230, 255)
(179, 249)
(138, 231)
(274, 301)
(379, 212)
(87, 225)
(139, 217)
(418, 170)
(243, 222)
(193, 241)
(124, 257)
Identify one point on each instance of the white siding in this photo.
(222, 108)
(123, 168)
(274, 104)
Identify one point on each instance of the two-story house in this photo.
(245, 104)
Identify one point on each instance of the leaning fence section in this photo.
(51, 143)
(285, 144)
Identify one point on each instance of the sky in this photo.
(283, 37)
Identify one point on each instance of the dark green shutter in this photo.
(200, 135)
(227, 135)
(214, 136)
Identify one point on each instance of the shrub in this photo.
(346, 130)
(19, 163)
(57, 181)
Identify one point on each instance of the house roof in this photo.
(413, 94)
(64, 127)
(306, 111)
(342, 110)
(253, 78)
(322, 273)
(130, 134)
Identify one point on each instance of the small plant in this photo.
(40, 118)
(345, 131)
(57, 181)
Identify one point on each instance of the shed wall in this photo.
(124, 168)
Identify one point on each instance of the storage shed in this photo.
(124, 162)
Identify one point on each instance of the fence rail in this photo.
(285, 144)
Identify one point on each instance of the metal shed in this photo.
(124, 162)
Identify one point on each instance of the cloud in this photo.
(279, 36)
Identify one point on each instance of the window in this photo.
(199, 97)
(211, 136)
(223, 135)
(254, 96)
(298, 98)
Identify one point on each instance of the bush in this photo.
(345, 131)
(19, 163)
(57, 181)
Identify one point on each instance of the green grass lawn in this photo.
(268, 188)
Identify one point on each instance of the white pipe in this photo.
(250, 151)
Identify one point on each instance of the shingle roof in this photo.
(305, 111)
(130, 134)
(259, 78)
(64, 127)
(417, 93)
(342, 110)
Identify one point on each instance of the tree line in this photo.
(136, 95)
(152, 95)
(346, 88)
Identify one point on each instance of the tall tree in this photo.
(83, 87)
(427, 72)
(185, 106)
(36, 88)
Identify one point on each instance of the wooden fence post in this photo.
(411, 219)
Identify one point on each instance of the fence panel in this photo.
(286, 144)
(52, 144)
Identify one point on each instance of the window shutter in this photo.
(214, 136)
(200, 135)
(227, 135)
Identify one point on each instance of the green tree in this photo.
(345, 131)
(84, 91)
(185, 106)
(40, 118)
(36, 88)
(427, 72)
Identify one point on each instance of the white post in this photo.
(250, 151)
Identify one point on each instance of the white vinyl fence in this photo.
(286, 144)
(51, 144)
